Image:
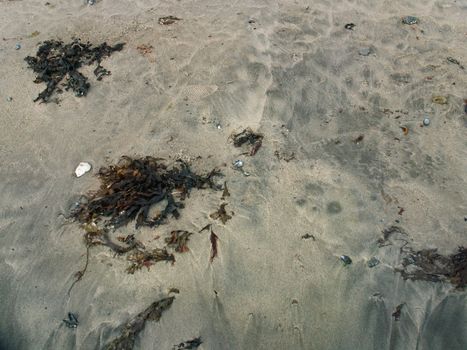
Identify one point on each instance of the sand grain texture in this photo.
(291, 71)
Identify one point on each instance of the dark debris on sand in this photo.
(178, 239)
(134, 326)
(221, 214)
(429, 265)
(247, 136)
(127, 192)
(168, 20)
(130, 188)
(189, 344)
(397, 312)
(56, 61)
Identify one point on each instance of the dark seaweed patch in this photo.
(397, 312)
(178, 240)
(221, 214)
(131, 329)
(213, 238)
(130, 188)
(247, 136)
(128, 191)
(429, 265)
(189, 344)
(167, 20)
(141, 258)
(388, 233)
(55, 61)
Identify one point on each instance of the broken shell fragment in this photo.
(82, 169)
(426, 121)
(238, 164)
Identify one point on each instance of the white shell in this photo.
(82, 169)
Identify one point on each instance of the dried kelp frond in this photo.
(226, 192)
(213, 238)
(221, 214)
(130, 188)
(388, 233)
(55, 60)
(178, 239)
(133, 327)
(146, 258)
(429, 265)
(189, 344)
(247, 136)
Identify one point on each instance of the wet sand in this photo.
(295, 74)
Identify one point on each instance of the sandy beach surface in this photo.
(344, 156)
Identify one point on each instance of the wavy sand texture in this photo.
(290, 70)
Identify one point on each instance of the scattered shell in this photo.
(238, 164)
(441, 100)
(426, 121)
(91, 2)
(82, 169)
(410, 20)
(373, 262)
(18, 46)
(349, 26)
(345, 259)
(9, 98)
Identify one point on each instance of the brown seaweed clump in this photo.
(221, 214)
(134, 326)
(128, 191)
(178, 239)
(248, 136)
(130, 188)
(55, 61)
(146, 258)
(429, 265)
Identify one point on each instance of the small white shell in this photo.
(82, 169)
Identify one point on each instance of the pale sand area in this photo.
(291, 71)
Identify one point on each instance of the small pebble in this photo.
(91, 2)
(365, 51)
(18, 46)
(426, 121)
(410, 20)
(9, 98)
(345, 259)
(373, 262)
